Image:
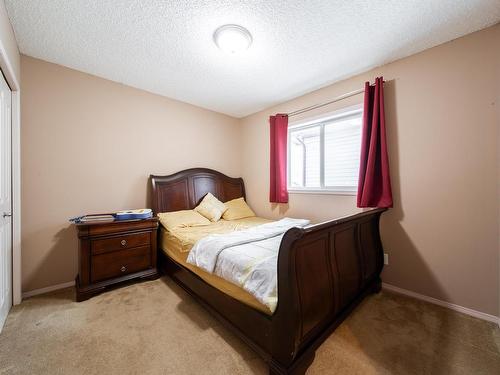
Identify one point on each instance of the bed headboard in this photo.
(185, 189)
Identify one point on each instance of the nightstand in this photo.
(113, 252)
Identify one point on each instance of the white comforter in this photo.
(247, 258)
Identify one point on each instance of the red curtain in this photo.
(374, 186)
(279, 132)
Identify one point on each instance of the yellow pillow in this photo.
(237, 209)
(182, 219)
(211, 207)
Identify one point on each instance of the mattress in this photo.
(177, 244)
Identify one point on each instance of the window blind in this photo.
(342, 150)
(325, 155)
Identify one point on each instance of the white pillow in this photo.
(211, 208)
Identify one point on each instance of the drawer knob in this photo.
(123, 242)
(123, 269)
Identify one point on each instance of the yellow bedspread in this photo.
(177, 244)
(183, 239)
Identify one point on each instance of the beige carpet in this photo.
(156, 328)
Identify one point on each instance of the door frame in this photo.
(14, 84)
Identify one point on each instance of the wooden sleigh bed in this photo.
(324, 271)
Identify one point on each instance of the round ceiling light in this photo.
(232, 38)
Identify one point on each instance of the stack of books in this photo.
(90, 218)
(143, 213)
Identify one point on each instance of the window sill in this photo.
(321, 192)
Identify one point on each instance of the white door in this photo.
(5, 202)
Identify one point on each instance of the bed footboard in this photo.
(324, 271)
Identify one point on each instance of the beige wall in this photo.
(89, 145)
(442, 119)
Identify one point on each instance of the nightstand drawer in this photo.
(119, 263)
(126, 241)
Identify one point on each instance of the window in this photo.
(323, 155)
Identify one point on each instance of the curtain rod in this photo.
(338, 98)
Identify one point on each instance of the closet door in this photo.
(5, 202)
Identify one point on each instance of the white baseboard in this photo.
(451, 306)
(47, 289)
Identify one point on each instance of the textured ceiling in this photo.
(166, 46)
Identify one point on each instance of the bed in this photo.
(323, 272)
(176, 245)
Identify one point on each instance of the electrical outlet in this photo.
(386, 259)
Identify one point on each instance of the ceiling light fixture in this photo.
(232, 38)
